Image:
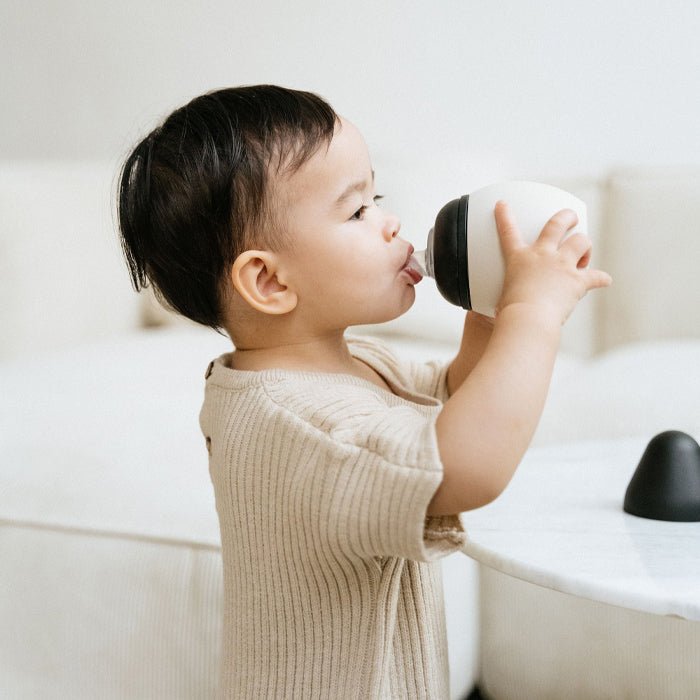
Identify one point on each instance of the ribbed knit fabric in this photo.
(332, 588)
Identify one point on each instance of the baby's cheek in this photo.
(366, 276)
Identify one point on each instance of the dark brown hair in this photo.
(194, 193)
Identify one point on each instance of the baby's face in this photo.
(346, 268)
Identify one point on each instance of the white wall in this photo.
(470, 90)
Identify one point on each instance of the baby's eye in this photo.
(357, 216)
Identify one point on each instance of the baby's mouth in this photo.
(412, 268)
(413, 274)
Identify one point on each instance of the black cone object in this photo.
(666, 484)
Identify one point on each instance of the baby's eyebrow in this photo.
(354, 187)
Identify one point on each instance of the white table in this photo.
(560, 524)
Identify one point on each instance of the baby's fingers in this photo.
(555, 229)
(577, 248)
(508, 232)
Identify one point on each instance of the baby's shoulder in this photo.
(377, 350)
(324, 402)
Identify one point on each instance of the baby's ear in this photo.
(254, 276)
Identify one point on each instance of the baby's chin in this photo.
(407, 300)
(369, 305)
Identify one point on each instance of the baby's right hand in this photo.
(548, 275)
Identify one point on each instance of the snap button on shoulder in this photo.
(209, 370)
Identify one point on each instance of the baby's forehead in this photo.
(330, 169)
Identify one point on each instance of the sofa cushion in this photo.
(651, 249)
(105, 437)
(62, 277)
(638, 389)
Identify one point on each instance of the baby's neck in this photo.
(327, 353)
(307, 356)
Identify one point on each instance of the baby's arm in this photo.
(475, 337)
(485, 427)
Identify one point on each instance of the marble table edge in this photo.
(580, 589)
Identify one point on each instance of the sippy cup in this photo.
(463, 253)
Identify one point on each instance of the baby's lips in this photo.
(416, 265)
(413, 271)
(415, 276)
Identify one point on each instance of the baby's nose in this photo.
(392, 226)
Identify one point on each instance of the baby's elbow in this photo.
(468, 487)
(452, 498)
(486, 489)
(487, 493)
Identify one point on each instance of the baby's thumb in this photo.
(508, 233)
(596, 279)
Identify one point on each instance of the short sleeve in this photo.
(382, 473)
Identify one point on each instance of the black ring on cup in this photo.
(462, 256)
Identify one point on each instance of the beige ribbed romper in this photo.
(332, 588)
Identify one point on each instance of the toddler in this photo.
(339, 470)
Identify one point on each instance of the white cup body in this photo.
(532, 205)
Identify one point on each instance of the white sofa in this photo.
(111, 578)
